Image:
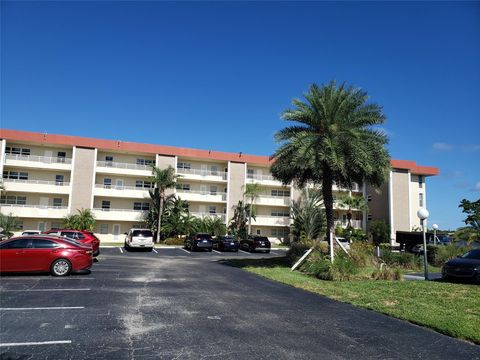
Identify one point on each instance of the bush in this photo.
(402, 259)
(343, 268)
(439, 255)
(361, 253)
(319, 266)
(387, 273)
(379, 231)
(296, 251)
(174, 241)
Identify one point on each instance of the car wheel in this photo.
(61, 267)
(267, 252)
(250, 248)
(149, 249)
(126, 245)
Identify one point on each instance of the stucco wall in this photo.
(82, 179)
(400, 200)
(236, 182)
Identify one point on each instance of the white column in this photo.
(390, 204)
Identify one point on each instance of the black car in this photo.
(199, 242)
(225, 243)
(255, 243)
(466, 266)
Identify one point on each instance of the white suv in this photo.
(139, 238)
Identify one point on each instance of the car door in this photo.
(13, 255)
(42, 254)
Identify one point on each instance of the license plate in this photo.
(232, 243)
(204, 241)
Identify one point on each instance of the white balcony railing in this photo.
(125, 187)
(272, 220)
(203, 192)
(203, 173)
(119, 214)
(36, 158)
(206, 214)
(266, 199)
(261, 177)
(39, 182)
(35, 206)
(34, 211)
(121, 210)
(344, 223)
(119, 165)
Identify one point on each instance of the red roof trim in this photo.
(172, 150)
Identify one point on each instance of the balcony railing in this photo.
(125, 187)
(36, 158)
(206, 214)
(202, 172)
(261, 177)
(203, 192)
(344, 223)
(121, 210)
(39, 182)
(119, 165)
(35, 206)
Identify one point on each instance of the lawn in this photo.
(452, 309)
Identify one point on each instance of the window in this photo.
(13, 200)
(212, 209)
(369, 217)
(182, 165)
(56, 225)
(107, 183)
(143, 184)
(18, 244)
(182, 187)
(281, 213)
(42, 226)
(250, 173)
(282, 193)
(59, 179)
(15, 175)
(259, 232)
(147, 162)
(105, 205)
(369, 197)
(213, 190)
(214, 169)
(108, 160)
(17, 151)
(141, 206)
(57, 202)
(61, 155)
(420, 200)
(20, 224)
(420, 181)
(280, 233)
(44, 244)
(103, 228)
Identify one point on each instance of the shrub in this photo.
(343, 267)
(319, 266)
(174, 241)
(401, 259)
(296, 251)
(361, 253)
(440, 254)
(379, 231)
(387, 273)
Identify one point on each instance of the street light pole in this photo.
(435, 227)
(423, 215)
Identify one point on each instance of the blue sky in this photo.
(220, 73)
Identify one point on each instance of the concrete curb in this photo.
(169, 247)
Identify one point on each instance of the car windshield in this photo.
(143, 233)
(228, 238)
(472, 254)
(203, 237)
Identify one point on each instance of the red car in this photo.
(83, 236)
(39, 253)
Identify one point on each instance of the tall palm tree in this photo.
(353, 202)
(333, 141)
(163, 179)
(252, 191)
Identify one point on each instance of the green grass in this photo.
(452, 309)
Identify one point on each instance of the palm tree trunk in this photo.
(160, 212)
(250, 219)
(327, 183)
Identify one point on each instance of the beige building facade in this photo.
(47, 177)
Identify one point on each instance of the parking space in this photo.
(172, 304)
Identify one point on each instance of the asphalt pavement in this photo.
(173, 304)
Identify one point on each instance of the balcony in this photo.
(205, 175)
(37, 186)
(38, 162)
(263, 179)
(119, 214)
(271, 220)
(272, 200)
(118, 168)
(132, 192)
(355, 188)
(202, 215)
(202, 195)
(357, 224)
(34, 211)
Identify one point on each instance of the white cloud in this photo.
(476, 187)
(442, 146)
(471, 147)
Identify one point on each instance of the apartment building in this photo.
(46, 177)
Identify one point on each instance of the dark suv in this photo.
(199, 242)
(225, 243)
(254, 243)
(82, 236)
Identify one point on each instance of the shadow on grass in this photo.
(265, 262)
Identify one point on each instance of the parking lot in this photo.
(174, 304)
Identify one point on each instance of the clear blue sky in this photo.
(218, 75)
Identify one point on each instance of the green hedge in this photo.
(174, 241)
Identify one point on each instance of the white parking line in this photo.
(218, 252)
(155, 251)
(186, 251)
(121, 250)
(273, 252)
(245, 252)
(59, 289)
(44, 308)
(37, 343)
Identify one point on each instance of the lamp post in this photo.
(435, 228)
(423, 215)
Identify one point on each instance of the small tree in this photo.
(379, 231)
(83, 220)
(252, 191)
(9, 224)
(308, 216)
(353, 202)
(472, 209)
(238, 223)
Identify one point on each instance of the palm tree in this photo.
(252, 191)
(333, 142)
(83, 220)
(238, 223)
(353, 202)
(163, 179)
(308, 215)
